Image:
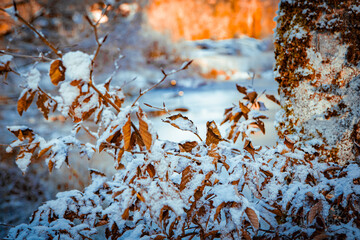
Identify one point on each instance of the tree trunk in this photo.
(317, 50)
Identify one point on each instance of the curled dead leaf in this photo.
(314, 211)
(289, 143)
(183, 123)
(125, 214)
(272, 98)
(127, 134)
(187, 146)
(185, 177)
(251, 96)
(25, 100)
(151, 170)
(213, 135)
(241, 89)
(252, 217)
(57, 72)
(218, 210)
(144, 130)
(250, 148)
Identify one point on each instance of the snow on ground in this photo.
(236, 57)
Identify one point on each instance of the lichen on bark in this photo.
(317, 51)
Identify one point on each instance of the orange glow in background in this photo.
(215, 19)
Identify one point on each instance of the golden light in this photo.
(173, 82)
(212, 18)
(97, 16)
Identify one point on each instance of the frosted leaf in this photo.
(181, 122)
(24, 161)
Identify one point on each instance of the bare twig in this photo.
(93, 135)
(42, 58)
(7, 225)
(40, 35)
(185, 65)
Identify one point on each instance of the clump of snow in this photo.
(69, 93)
(296, 32)
(355, 8)
(5, 58)
(77, 65)
(33, 78)
(24, 161)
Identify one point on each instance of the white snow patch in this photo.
(5, 58)
(77, 65)
(33, 78)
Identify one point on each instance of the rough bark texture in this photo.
(318, 69)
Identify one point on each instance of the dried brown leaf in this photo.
(140, 197)
(212, 233)
(261, 125)
(321, 236)
(273, 98)
(43, 104)
(181, 122)
(188, 146)
(144, 130)
(251, 96)
(160, 237)
(125, 214)
(43, 151)
(213, 135)
(185, 177)
(23, 133)
(50, 166)
(289, 143)
(252, 217)
(127, 134)
(101, 223)
(249, 147)
(151, 170)
(186, 65)
(244, 109)
(241, 89)
(218, 210)
(314, 211)
(245, 234)
(57, 72)
(94, 172)
(25, 101)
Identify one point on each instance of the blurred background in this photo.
(230, 42)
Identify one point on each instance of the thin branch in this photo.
(105, 98)
(40, 35)
(42, 58)
(93, 135)
(104, 11)
(185, 65)
(6, 225)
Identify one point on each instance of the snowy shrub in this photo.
(207, 189)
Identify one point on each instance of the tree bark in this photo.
(317, 51)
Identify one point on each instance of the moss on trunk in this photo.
(317, 51)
